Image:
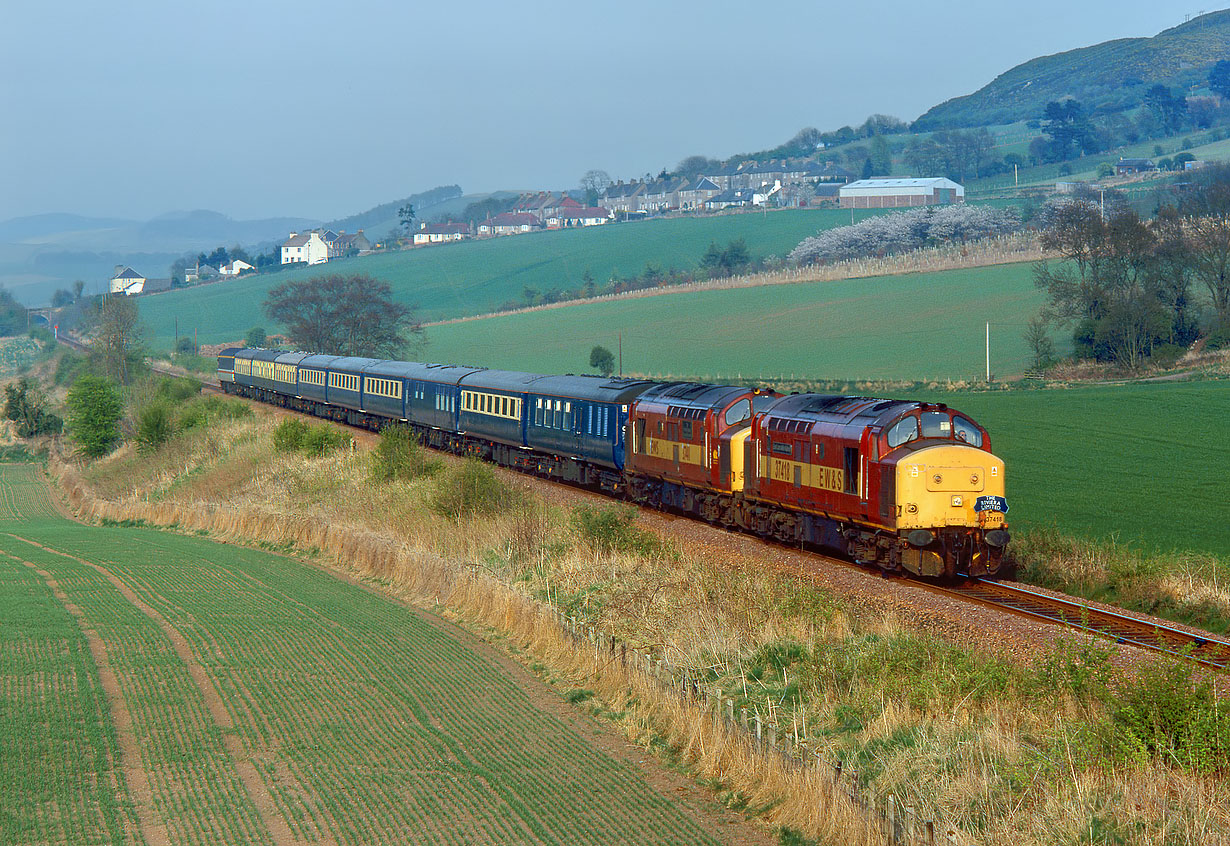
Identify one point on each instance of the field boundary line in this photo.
(277, 827)
(130, 753)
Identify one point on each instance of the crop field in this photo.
(916, 326)
(1145, 464)
(476, 277)
(16, 353)
(205, 694)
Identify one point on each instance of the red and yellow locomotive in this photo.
(899, 485)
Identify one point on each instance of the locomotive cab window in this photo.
(903, 431)
(964, 430)
(936, 424)
(738, 412)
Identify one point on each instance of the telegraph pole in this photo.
(988, 351)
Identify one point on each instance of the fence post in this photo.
(730, 711)
(909, 824)
(743, 718)
(930, 832)
(892, 819)
(758, 729)
(773, 735)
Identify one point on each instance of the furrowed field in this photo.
(162, 688)
(476, 277)
(915, 326)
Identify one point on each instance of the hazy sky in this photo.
(133, 108)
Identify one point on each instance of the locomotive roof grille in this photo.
(685, 413)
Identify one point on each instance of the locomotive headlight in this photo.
(957, 502)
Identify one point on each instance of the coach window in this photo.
(687, 430)
(964, 430)
(936, 424)
(903, 431)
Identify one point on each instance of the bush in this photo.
(295, 435)
(155, 425)
(1218, 339)
(612, 528)
(1165, 714)
(318, 440)
(177, 389)
(201, 411)
(289, 435)
(25, 405)
(256, 337)
(1164, 355)
(185, 345)
(95, 406)
(471, 489)
(399, 455)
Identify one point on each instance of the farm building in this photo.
(885, 193)
(126, 281)
(1124, 167)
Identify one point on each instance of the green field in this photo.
(917, 326)
(1146, 464)
(270, 702)
(476, 277)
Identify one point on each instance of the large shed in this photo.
(884, 193)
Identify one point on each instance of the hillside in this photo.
(914, 326)
(1108, 77)
(475, 277)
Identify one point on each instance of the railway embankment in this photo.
(1005, 730)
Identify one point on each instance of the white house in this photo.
(235, 268)
(308, 247)
(127, 281)
(438, 233)
(887, 193)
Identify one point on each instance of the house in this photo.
(889, 193)
(126, 281)
(306, 247)
(593, 216)
(439, 233)
(1124, 167)
(235, 268)
(694, 195)
(509, 223)
(537, 204)
(623, 197)
(341, 244)
(730, 198)
(662, 195)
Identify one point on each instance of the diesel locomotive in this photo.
(898, 485)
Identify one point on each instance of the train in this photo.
(899, 485)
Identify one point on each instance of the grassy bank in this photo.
(1066, 751)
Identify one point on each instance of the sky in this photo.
(264, 108)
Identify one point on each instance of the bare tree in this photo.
(594, 182)
(345, 315)
(115, 323)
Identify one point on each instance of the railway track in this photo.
(1204, 649)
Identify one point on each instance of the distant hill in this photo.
(1108, 77)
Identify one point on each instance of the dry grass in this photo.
(958, 735)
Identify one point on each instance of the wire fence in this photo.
(901, 824)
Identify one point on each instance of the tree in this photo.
(26, 406)
(256, 337)
(602, 360)
(694, 166)
(116, 348)
(61, 298)
(1219, 79)
(78, 288)
(1038, 337)
(95, 406)
(12, 314)
(1167, 109)
(1070, 130)
(344, 315)
(405, 216)
(1207, 212)
(881, 156)
(593, 183)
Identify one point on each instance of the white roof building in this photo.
(886, 193)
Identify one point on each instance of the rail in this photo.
(1202, 648)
